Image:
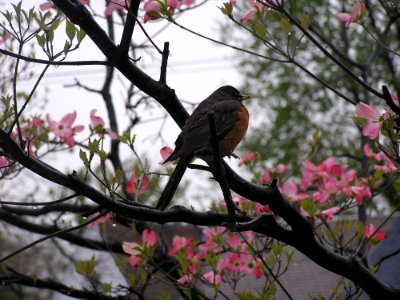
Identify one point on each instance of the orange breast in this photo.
(233, 138)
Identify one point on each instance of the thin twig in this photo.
(164, 63)
(55, 63)
(66, 230)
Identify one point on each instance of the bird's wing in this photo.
(197, 132)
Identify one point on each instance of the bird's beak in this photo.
(245, 97)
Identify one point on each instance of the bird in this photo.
(231, 122)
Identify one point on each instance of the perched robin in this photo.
(231, 122)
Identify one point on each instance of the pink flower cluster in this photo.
(233, 255)
(330, 179)
(381, 161)
(236, 260)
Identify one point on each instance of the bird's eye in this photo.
(237, 96)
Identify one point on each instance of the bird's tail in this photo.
(173, 182)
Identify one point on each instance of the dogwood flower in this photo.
(134, 183)
(114, 5)
(64, 129)
(374, 125)
(329, 213)
(375, 235)
(349, 18)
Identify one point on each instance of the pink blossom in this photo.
(152, 9)
(114, 5)
(131, 248)
(290, 190)
(185, 278)
(273, 172)
(134, 260)
(247, 15)
(377, 235)
(45, 5)
(321, 197)
(374, 125)
(188, 2)
(380, 157)
(178, 243)
(234, 241)
(359, 192)
(255, 6)
(172, 4)
(350, 18)
(266, 177)
(329, 213)
(210, 232)
(212, 278)
(209, 246)
(165, 153)
(100, 220)
(96, 120)
(149, 237)
(3, 162)
(260, 208)
(248, 157)
(134, 183)
(64, 129)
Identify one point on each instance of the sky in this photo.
(196, 67)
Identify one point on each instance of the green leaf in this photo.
(119, 176)
(17, 9)
(70, 30)
(227, 8)
(83, 157)
(55, 24)
(246, 296)
(94, 145)
(106, 287)
(103, 155)
(277, 249)
(80, 35)
(67, 46)
(285, 25)
(50, 36)
(260, 29)
(360, 121)
(86, 267)
(41, 40)
(305, 20)
(7, 15)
